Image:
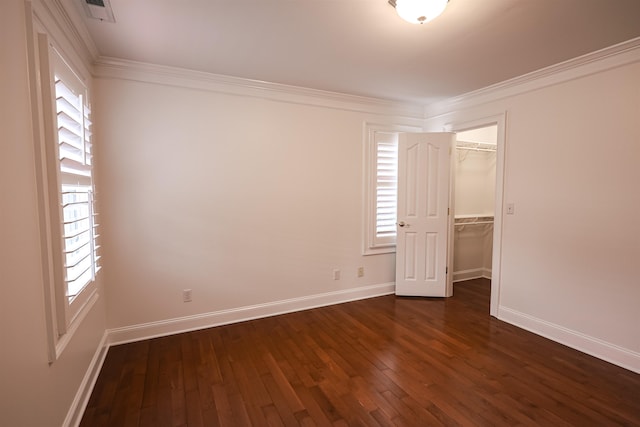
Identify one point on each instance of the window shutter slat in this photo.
(71, 125)
(70, 166)
(65, 136)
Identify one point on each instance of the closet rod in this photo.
(476, 149)
(473, 223)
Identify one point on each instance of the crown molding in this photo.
(106, 67)
(610, 57)
(65, 25)
(73, 17)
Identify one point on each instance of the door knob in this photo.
(402, 224)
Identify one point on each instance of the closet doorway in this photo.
(474, 192)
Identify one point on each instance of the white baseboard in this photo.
(223, 317)
(80, 401)
(612, 353)
(474, 273)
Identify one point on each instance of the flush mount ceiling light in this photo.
(419, 11)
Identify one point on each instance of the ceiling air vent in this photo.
(98, 9)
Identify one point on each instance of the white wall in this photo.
(475, 182)
(484, 135)
(472, 251)
(32, 392)
(569, 254)
(242, 199)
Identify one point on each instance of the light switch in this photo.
(511, 208)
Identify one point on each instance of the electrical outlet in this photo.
(360, 271)
(186, 295)
(336, 274)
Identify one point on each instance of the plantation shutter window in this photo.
(386, 190)
(381, 188)
(79, 227)
(59, 91)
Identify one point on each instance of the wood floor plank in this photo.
(314, 407)
(224, 412)
(384, 361)
(282, 385)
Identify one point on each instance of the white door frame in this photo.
(496, 263)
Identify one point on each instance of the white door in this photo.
(423, 203)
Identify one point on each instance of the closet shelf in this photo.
(473, 220)
(476, 146)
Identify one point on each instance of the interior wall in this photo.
(32, 392)
(472, 252)
(243, 200)
(484, 134)
(475, 182)
(571, 170)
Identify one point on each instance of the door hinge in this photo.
(448, 211)
(446, 270)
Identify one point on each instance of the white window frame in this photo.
(64, 313)
(376, 137)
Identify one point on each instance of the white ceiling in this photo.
(362, 47)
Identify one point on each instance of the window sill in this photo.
(379, 251)
(63, 340)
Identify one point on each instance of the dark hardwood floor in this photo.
(378, 362)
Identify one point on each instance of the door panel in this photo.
(432, 172)
(431, 256)
(411, 252)
(423, 198)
